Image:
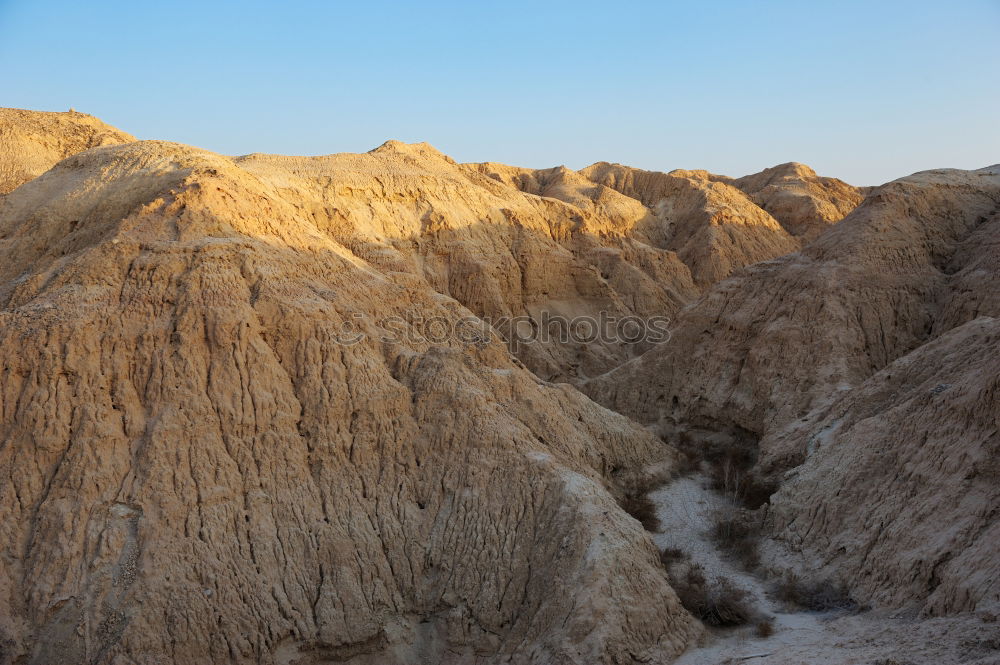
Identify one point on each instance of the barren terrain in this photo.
(278, 409)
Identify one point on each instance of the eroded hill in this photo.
(203, 462)
(32, 142)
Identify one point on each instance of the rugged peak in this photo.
(698, 174)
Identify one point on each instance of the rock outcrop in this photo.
(32, 142)
(506, 255)
(714, 227)
(225, 437)
(804, 203)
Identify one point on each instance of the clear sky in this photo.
(866, 91)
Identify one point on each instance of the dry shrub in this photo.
(730, 460)
(737, 532)
(732, 477)
(764, 628)
(636, 502)
(716, 603)
(671, 555)
(688, 463)
(816, 596)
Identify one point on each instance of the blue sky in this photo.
(866, 91)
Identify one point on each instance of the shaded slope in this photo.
(859, 363)
(900, 493)
(760, 350)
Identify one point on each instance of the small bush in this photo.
(690, 587)
(738, 533)
(641, 507)
(764, 628)
(688, 463)
(729, 461)
(671, 555)
(726, 605)
(816, 596)
(716, 603)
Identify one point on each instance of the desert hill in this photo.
(759, 351)
(714, 227)
(199, 465)
(32, 142)
(804, 203)
(899, 492)
(411, 211)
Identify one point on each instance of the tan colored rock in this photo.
(898, 495)
(862, 363)
(502, 253)
(714, 227)
(195, 468)
(803, 202)
(31, 142)
(756, 353)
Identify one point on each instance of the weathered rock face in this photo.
(251, 411)
(196, 465)
(32, 142)
(804, 203)
(899, 495)
(504, 254)
(759, 351)
(714, 227)
(861, 362)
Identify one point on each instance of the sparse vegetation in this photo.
(764, 628)
(816, 596)
(717, 602)
(738, 532)
(672, 555)
(635, 498)
(689, 462)
(729, 461)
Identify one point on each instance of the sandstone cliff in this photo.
(195, 466)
